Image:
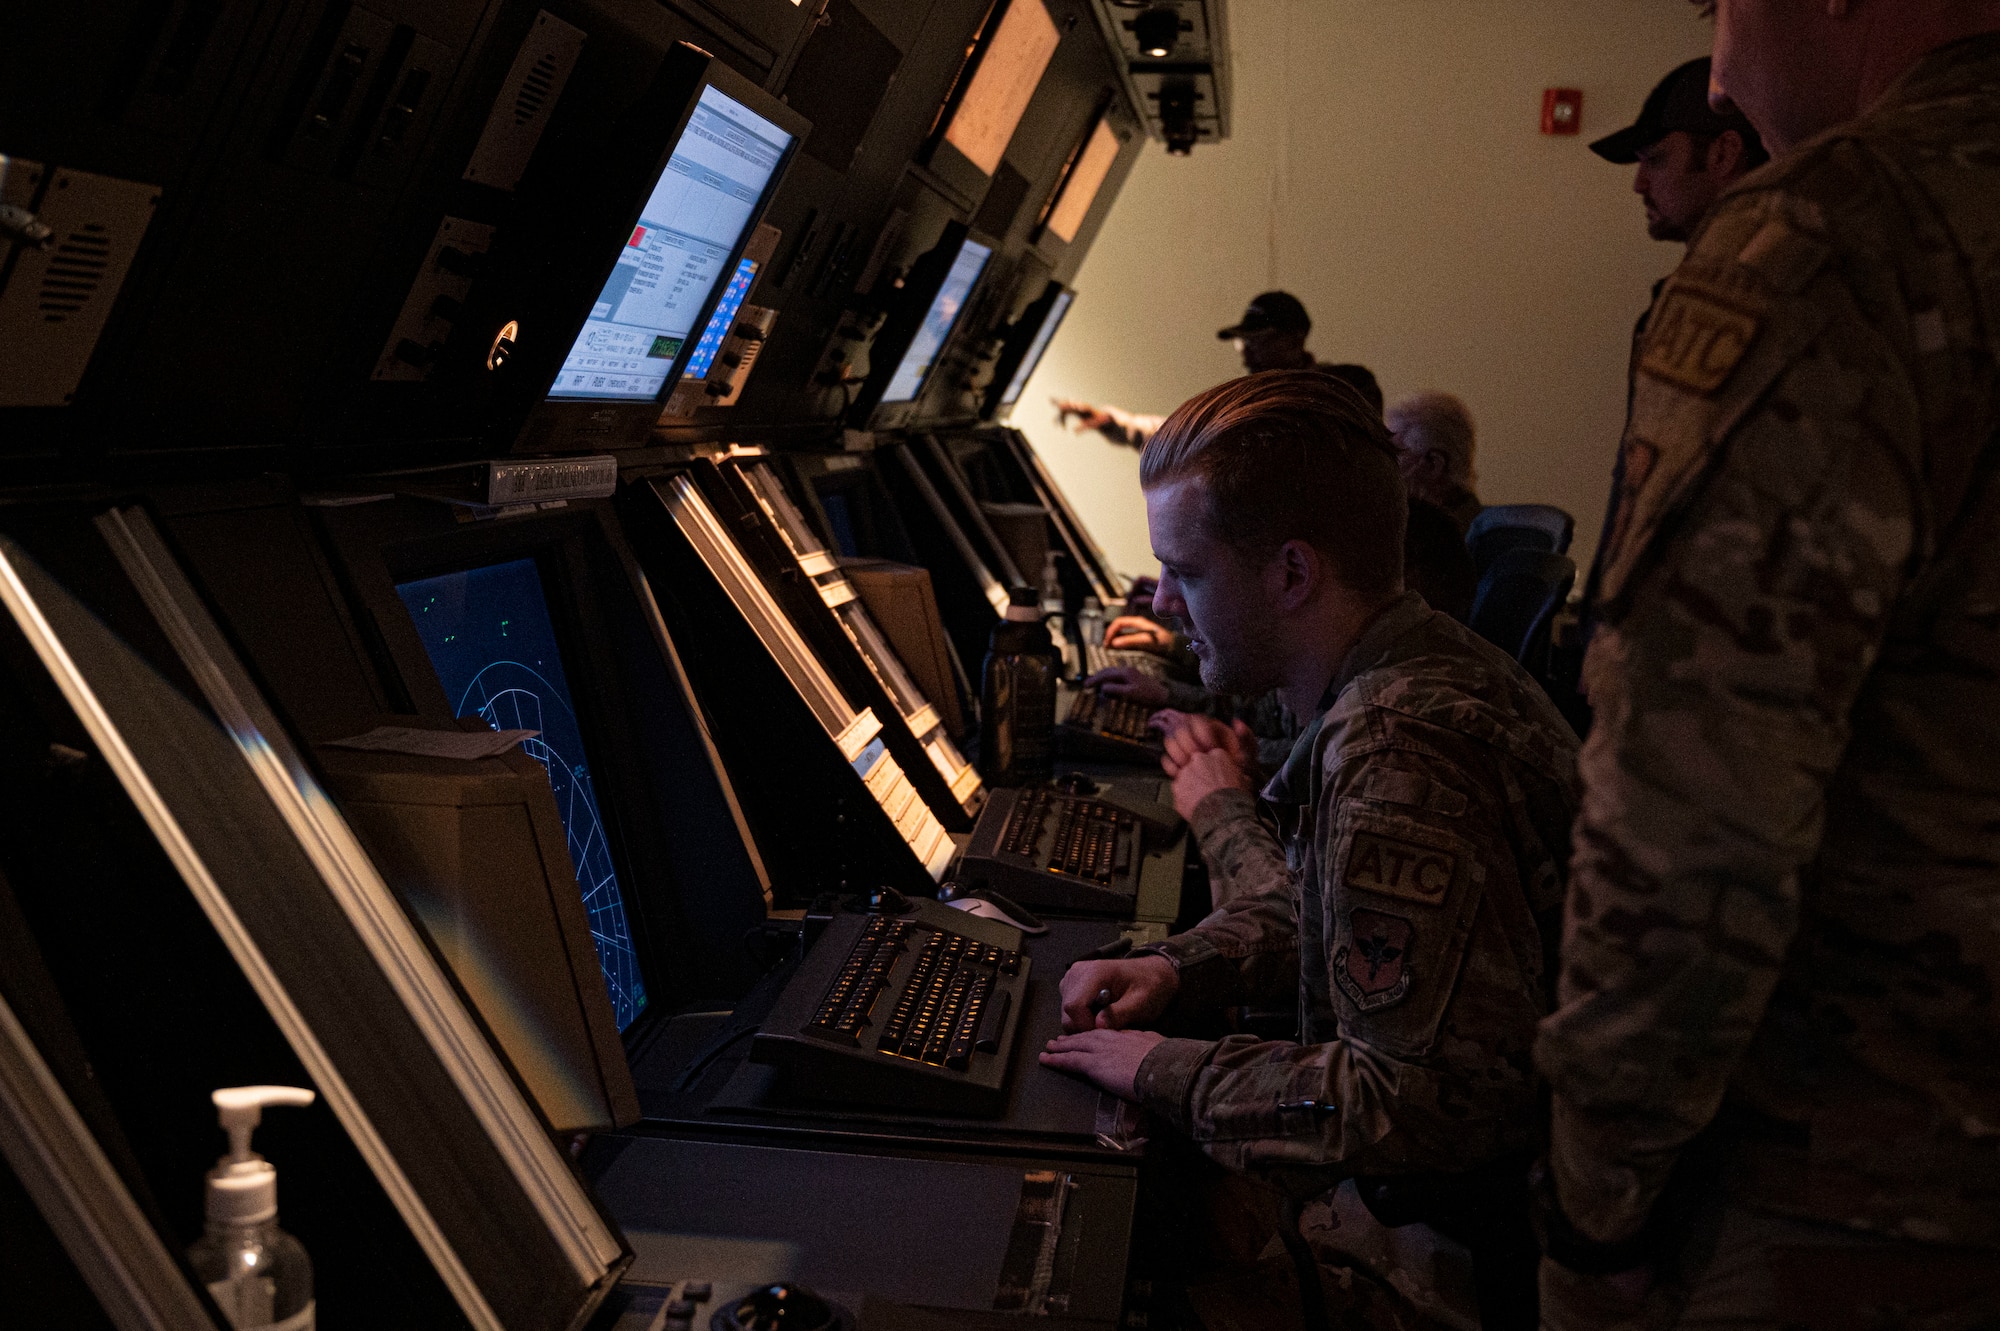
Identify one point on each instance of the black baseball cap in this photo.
(1273, 309)
(1679, 103)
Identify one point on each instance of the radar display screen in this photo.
(1033, 356)
(701, 207)
(938, 321)
(491, 641)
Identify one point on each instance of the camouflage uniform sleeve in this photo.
(1415, 963)
(1769, 517)
(1130, 427)
(1247, 950)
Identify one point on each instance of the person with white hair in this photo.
(1434, 446)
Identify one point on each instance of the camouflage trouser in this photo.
(1772, 1272)
(1239, 1277)
(1755, 1271)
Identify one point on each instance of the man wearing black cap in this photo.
(1271, 335)
(1687, 154)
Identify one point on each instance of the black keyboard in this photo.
(1121, 717)
(919, 1010)
(1092, 840)
(1065, 852)
(1094, 726)
(947, 993)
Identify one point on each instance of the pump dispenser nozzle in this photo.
(243, 1188)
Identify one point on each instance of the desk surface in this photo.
(696, 1075)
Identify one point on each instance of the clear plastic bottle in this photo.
(1055, 615)
(258, 1275)
(1017, 718)
(1090, 624)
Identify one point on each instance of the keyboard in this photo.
(1095, 658)
(919, 1010)
(1090, 725)
(1061, 851)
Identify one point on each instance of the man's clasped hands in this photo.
(1109, 1006)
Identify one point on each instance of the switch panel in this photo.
(435, 300)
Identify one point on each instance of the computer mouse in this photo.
(780, 1307)
(1076, 783)
(884, 900)
(986, 908)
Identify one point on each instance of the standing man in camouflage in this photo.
(1423, 824)
(1776, 1063)
(1687, 153)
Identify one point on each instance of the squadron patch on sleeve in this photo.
(1377, 863)
(1697, 341)
(1373, 969)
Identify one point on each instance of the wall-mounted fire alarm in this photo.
(1562, 110)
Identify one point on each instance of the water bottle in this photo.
(1018, 696)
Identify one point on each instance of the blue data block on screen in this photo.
(494, 648)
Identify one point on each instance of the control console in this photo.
(914, 1005)
(1077, 847)
(1093, 727)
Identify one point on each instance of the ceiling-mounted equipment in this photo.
(1174, 57)
(1158, 31)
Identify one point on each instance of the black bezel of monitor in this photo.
(899, 331)
(587, 211)
(1021, 335)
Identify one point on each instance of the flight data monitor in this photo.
(696, 217)
(494, 648)
(938, 322)
(1033, 355)
(712, 336)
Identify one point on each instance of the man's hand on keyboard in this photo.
(1115, 995)
(1136, 633)
(1129, 682)
(1109, 1058)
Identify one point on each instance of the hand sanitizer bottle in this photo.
(258, 1274)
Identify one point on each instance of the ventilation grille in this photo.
(535, 89)
(524, 103)
(74, 272)
(55, 301)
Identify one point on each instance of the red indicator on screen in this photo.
(638, 235)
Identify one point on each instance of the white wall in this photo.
(1387, 167)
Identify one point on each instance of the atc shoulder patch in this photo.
(1374, 968)
(1696, 340)
(1396, 868)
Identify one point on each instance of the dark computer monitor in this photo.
(940, 317)
(1029, 338)
(622, 305)
(495, 650)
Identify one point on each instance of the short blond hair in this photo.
(1291, 455)
(1438, 423)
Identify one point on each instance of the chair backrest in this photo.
(1504, 527)
(1517, 602)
